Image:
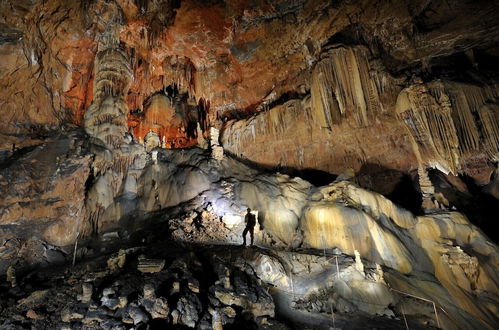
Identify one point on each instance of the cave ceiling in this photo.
(238, 56)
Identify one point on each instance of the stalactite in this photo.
(469, 137)
(489, 117)
(274, 123)
(180, 71)
(432, 127)
(122, 163)
(343, 85)
(327, 111)
(476, 123)
(449, 121)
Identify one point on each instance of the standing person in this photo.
(250, 221)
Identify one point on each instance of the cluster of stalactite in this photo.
(273, 124)
(344, 85)
(163, 101)
(168, 119)
(450, 120)
(470, 102)
(179, 71)
(175, 72)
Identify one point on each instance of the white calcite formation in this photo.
(310, 98)
(443, 245)
(106, 119)
(439, 256)
(448, 121)
(217, 152)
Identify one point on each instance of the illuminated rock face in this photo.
(356, 112)
(132, 186)
(292, 86)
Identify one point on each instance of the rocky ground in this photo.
(152, 282)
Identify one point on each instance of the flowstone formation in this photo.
(439, 258)
(364, 137)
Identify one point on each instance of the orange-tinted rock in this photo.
(47, 85)
(238, 56)
(161, 117)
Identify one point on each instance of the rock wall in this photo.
(291, 136)
(356, 115)
(322, 86)
(44, 193)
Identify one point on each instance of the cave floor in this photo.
(194, 286)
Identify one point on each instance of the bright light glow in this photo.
(231, 220)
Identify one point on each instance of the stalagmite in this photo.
(106, 120)
(202, 143)
(427, 189)
(140, 137)
(358, 262)
(217, 152)
(11, 276)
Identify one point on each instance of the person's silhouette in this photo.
(250, 221)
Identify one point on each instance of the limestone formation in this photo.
(444, 121)
(217, 152)
(364, 137)
(342, 85)
(106, 118)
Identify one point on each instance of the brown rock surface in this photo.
(45, 192)
(379, 91)
(235, 55)
(236, 58)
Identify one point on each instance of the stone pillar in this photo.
(202, 143)
(217, 152)
(427, 189)
(106, 118)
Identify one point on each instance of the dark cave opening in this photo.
(479, 206)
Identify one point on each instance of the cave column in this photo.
(427, 188)
(106, 118)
